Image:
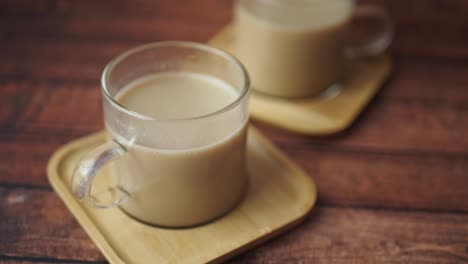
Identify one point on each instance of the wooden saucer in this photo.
(280, 195)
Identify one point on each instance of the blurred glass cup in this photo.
(298, 48)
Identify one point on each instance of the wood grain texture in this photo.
(408, 150)
(341, 235)
(35, 223)
(24, 260)
(328, 235)
(424, 28)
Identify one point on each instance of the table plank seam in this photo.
(391, 209)
(318, 143)
(48, 189)
(47, 259)
(375, 151)
(12, 186)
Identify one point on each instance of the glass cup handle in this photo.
(381, 41)
(88, 169)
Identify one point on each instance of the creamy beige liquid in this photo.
(192, 183)
(293, 50)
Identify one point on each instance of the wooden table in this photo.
(392, 188)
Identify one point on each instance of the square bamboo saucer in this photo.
(328, 113)
(280, 195)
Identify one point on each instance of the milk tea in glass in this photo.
(176, 116)
(296, 48)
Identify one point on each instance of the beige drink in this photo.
(186, 180)
(292, 48)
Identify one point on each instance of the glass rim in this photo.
(187, 44)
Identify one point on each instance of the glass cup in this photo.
(299, 48)
(171, 172)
